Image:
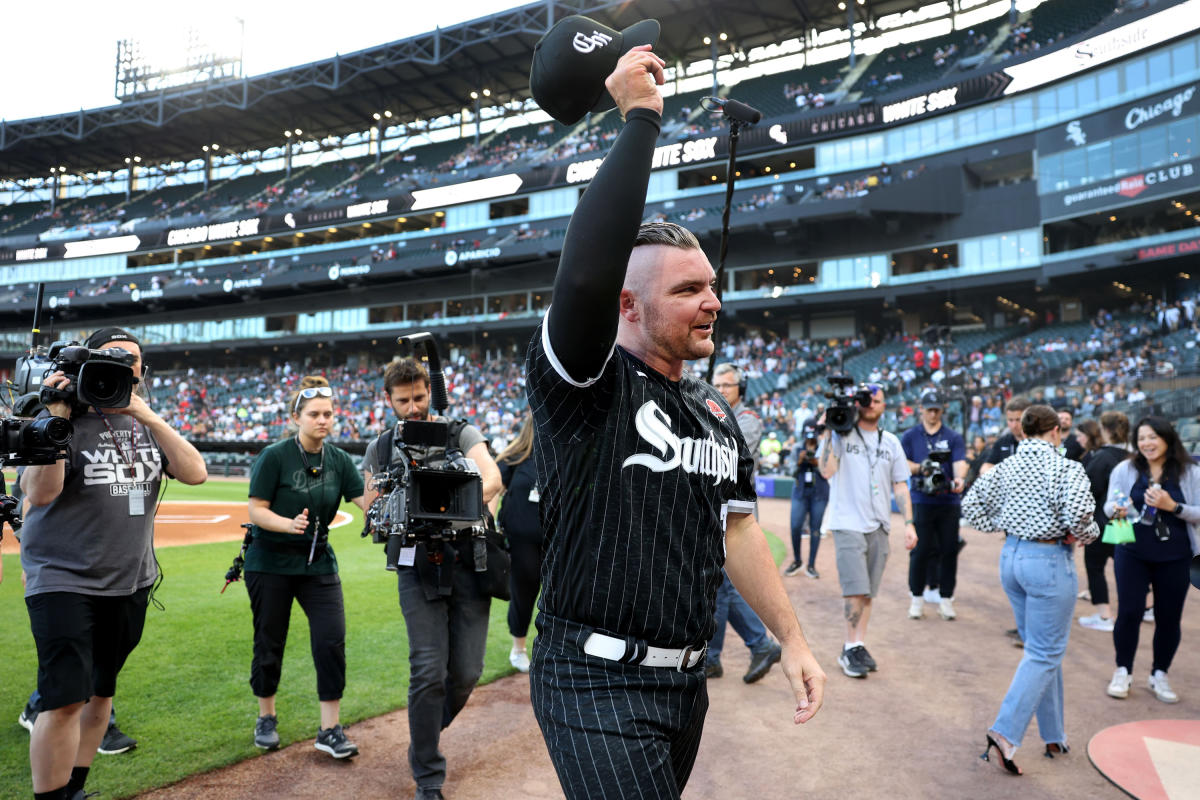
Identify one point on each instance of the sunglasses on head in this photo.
(309, 394)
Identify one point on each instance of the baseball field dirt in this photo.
(914, 729)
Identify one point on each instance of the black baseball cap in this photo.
(106, 335)
(572, 60)
(932, 399)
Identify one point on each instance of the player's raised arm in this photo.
(582, 324)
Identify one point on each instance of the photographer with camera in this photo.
(445, 611)
(937, 458)
(810, 496)
(296, 486)
(87, 548)
(865, 467)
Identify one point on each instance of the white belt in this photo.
(614, 649)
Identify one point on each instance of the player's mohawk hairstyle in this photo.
(667, 234)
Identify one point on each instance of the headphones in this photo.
(742, 383)
(313, 472)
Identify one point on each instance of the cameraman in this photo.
(445, 612)
(935, 514)
(860, 468)
(88, 554)
(810, 495)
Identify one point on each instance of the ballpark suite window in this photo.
(507, 303)
(464, 307)
(377, 315)
(281, 324)
(502, 209)
(541, 300)
(712, 173)
(926, 259)
(417, 312)
(770, 277)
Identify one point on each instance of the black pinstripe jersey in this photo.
(639, 472)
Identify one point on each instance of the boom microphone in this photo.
(734, 109)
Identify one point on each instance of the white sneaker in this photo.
(1119, 685)
(946, 608)
(916, 608)
(1162, 689)
(933, 596)
(519, 660)
(1148, 616)
(1096, 622)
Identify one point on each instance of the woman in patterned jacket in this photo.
(1044, 503)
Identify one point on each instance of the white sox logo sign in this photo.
(709, 456)
(586, 44)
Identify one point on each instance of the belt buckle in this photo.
(685, 656)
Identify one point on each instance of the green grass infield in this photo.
(185, 693)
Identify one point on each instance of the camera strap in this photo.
(137, 494)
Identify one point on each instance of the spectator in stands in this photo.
(1114, 428)
(1158, 489)
(296, 487)
(519, 521)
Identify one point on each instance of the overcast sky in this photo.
(59, 57)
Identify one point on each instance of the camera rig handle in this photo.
(438, 400)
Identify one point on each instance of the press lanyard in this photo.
(871, 463)
(137, 493)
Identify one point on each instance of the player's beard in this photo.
(673, 340)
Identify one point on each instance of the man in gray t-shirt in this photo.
(88, 553)
(865, 468)
(446, 615)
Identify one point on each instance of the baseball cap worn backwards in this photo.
(572, 60)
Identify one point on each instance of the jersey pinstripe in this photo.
(639, 472)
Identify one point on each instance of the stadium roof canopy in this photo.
(423, 77)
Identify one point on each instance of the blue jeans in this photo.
(806, 504)
(446, 641)
(733, 609)
(1040, 582)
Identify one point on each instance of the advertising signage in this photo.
(1157, 109)
(1150, 183)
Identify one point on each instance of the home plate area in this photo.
(179, 522)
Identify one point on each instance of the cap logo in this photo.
(586, 44)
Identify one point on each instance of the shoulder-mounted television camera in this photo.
(845, 400)
(101, 378)
(433, 492)
(932, 477)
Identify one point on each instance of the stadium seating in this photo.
(1055, 21)
(768, 94)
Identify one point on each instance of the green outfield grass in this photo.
(185, 694)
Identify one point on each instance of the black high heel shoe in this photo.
(1009, 764)
(1056, 748)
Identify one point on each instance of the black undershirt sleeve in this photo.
(582, 324)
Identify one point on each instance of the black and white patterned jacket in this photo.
(1034, 494)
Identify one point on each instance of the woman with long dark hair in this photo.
(1043, 502)
(1114, 433)
(1158, 489)
(1087, 434)
(296, 487)
(520, 521)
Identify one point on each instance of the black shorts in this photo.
(82, 642)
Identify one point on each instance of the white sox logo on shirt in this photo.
(586, 44)
(704, 456)
(106, 466)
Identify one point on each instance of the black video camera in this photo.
(27, 442)
(932, 478)
(101, 378)
(421, 502)
(845, 400)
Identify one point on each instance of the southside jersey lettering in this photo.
(639, 473)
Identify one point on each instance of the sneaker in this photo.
(850, 664)
(793, 569)
(115, 741)
(812, 572)
(932, 596)
(762, 661)
(1095, 622)
(434, 793)
(712, 668)
(865, 659)
(1084, 595)
(1160, 687)
(265, 734)
(1148, 616)
(1119, 685)
(916, 608)
(946, 608)
(27, 717)
(519, 660)
(333, 741)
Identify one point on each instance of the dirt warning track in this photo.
(181, 523)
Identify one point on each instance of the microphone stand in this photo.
(735, 129)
